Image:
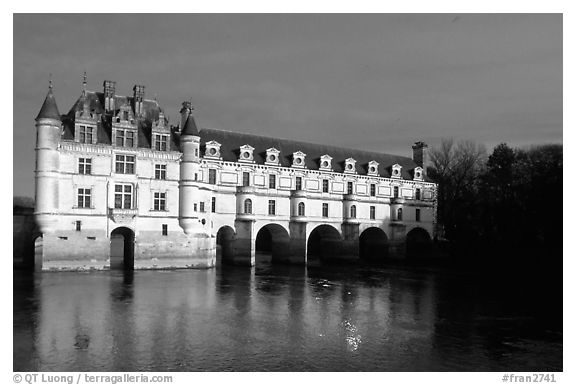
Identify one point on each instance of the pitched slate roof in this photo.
(95, 104)
(49, 108)
(231, 142)
(190, 127)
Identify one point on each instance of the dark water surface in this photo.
(281, 319)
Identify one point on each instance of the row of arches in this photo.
(273, 242)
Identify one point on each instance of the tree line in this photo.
(505, 205)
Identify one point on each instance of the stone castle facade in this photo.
(116, 185)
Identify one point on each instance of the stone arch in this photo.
(122, 248)
(272, 243)
(225, 238)
(418, 242)
(373, 244)
(323, 242)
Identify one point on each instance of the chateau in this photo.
(118, 187)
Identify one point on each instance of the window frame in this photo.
(325, 210)
(85, 166)
(353, 212)
(301, 210)
(372, 212)
(350, 188)
(247, 206)
(325, 185)
(160, 171)
(125, 162)
(123, 195)
(160, 142)
(212, 176)
(298, 183)
(271, 207)
(245, 179)
(122, 134)
(84, 198)
(272, 181)
(372, 189)
(418, 215)
(159, 201)
(83, 132)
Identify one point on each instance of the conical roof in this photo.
(49, 109)
(190, 127)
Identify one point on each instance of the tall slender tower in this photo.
(189, 170)
(48, 128)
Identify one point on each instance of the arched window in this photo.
(301, 209)
(247, 206)
(399, 214)
(353, 211)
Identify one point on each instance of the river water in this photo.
(278, 318)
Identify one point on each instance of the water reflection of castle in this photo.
(113, 171)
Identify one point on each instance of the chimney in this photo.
(420, 154)
(138, 99)
(185, 111)
(109, 93)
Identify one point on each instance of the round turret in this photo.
(48, 126)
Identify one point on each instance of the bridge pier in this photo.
(297, 243)
(397, 241)
(244, 244)
(350, 247)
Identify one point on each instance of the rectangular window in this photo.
(212, 176)
(78, 225)
(85, 166)
(160, 142)
(160, 171)
(125, 138)
(418, 194)
(125, 164)
(213, 204)
(325, 210)
(164, 229)
(298, 183)
(350, 188)
(325, 185)
(395, 191)
(159, 201)
(201, 207)
(86, 134)
(272, 181)
(123, 196)
(195, 207)
(417, 215)
(271, 207)
(245, 179)
(372, 190)
(372, 212)
(84, 198)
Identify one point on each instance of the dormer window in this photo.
(212, 150)
(418, 173)
(160, 142)
(272, 156)
(396, 171)
(246, 154)
(86, 134)
(125, 138)
(298, 159)
(373, 168)
(326, 163)
(350, 166)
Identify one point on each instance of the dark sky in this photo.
(375, 82)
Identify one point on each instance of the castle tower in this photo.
(189, 170)
(48, 128)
